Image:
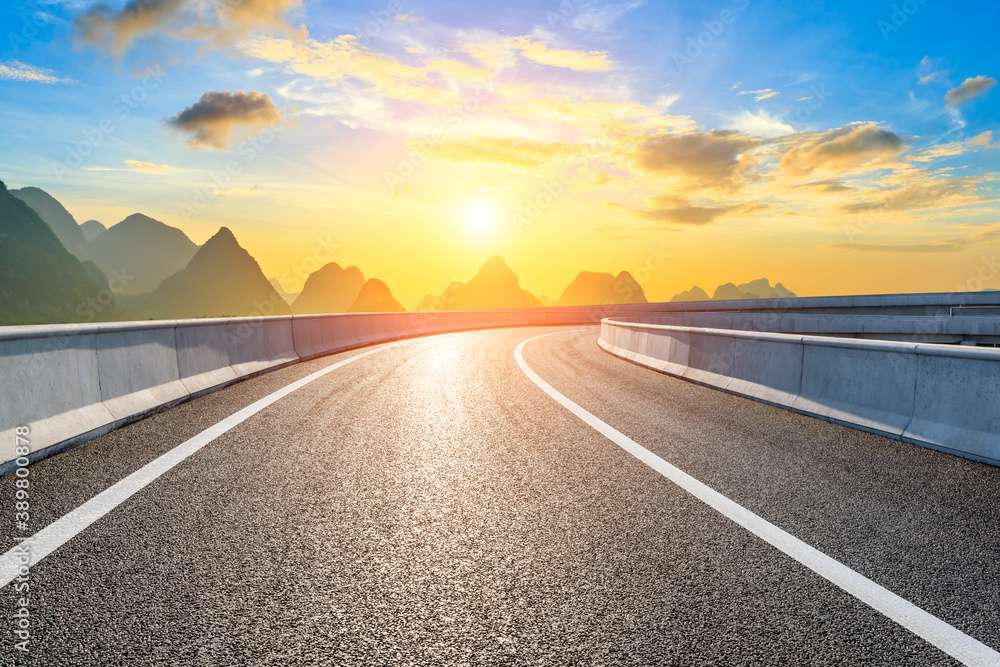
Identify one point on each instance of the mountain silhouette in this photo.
(730, 292)
(597, 289)
(40, 281)
(694, 294)
(57, 218)
(287, 296)
(495, 286)
(375, 297)
(142, 252)
(221, 280)
(755, 289)
(331, 289)
(762, 288)
(92, 229)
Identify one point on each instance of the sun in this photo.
(480, 219)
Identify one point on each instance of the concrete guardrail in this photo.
(72, 383)
(944, 397)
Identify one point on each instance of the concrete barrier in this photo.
(938, 396)
(71, 383)
(137, 366)
(51, 384)
(203, 356)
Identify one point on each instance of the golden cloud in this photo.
(149, 167)
(968, 89)
(220, 21)
(840, 150)
(702, 160)
(581, 61)
(211, 120)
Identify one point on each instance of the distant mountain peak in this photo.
(59, 220)
(142, 247)
(595, 288)
(375, 297)
(496, 265)
(224, 235)
(330, 289)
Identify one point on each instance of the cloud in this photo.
(760, 124)
(344, 59)
(513, 153)
(14, 70)
(922, 194)
(842, 149)
(760, 94)
(968, 89)
(581, 61)
(938, 246)
(218, 21)
(149, 167)
(103, 26)
(673, 210)
(600, 18)
(210, 122)
(716, 159)
(927, 73)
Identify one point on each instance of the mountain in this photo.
(375, 297)
(755, 289)
(495, 286)
(546, 301)
(331, 289)
(597, 289)
(694, 294)
(57, 218)
(762, 288)
(448, 296)
(287, 296)
(142, 251)
(92, 229)
(426, 304)
(730, 292)
(222, 280)
(40, 281)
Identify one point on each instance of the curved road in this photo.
(429, 504)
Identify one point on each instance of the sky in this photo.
(837, 147)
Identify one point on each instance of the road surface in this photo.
(427, 503)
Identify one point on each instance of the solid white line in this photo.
(57, 533)
(946, 637)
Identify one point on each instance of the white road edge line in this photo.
(949, 639)
(62, 530)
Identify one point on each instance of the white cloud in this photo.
(14, 70)
(760, 124)
(759, 94)
(600, 18)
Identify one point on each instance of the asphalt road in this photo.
(430, 505)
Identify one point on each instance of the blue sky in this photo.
(820, 110)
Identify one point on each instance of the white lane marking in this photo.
(949, 639)
(62, 530)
